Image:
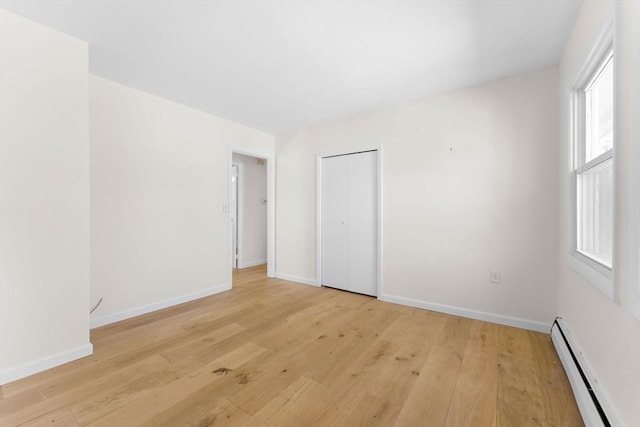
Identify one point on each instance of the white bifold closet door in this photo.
(349, 222)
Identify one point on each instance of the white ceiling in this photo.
(282, 65)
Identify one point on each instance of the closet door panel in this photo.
(362, 220)
(335, 245)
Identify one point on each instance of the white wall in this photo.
(608, 336)
(253, 213)
(44, 198)
(470, 185)
(159, 180)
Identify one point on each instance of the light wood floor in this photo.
(275, 353)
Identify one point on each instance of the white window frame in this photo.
(595, 271)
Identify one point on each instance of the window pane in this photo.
(599, 109)
(595, 212)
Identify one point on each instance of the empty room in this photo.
(320, 213)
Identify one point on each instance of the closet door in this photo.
(349, 222)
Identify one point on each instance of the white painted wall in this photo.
(44, 198)
(159, 180)
(469, 185)
(605, 332)
(253, 213)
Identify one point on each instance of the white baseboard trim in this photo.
(586, 403)
(138, 311)
(297, 279)
(472, 314)
(42, 364)
(252, 263)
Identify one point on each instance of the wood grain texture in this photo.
(274, 353)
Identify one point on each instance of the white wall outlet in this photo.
(494, 277)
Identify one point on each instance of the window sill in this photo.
(595, 273)
(595, 262)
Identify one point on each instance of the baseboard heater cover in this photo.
(591, 407)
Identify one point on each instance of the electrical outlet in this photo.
(494, 277)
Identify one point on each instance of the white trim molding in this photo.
(42, 364)
(138, 311)
(297, 279)
(517, 322)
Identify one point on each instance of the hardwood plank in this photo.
(48, 377)
(113, 398)
(294, 406)
(144, 407)
(18, 401)
(60, 417)
(372, 410)
(433, 390)
(475, 395)
(81, 392)
(187, 348)
(519, 398)
(200, 409)
(557, 399)
(273, 374)
(393, 369)
(514, 341)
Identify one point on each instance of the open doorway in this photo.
(250, 208)
(251, 214)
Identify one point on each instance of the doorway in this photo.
(251, 211)
(250, 241)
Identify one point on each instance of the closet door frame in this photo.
(379, 240)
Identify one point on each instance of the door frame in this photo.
(379, 239)
(237, 230)
(271, 208)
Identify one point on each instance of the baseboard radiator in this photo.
(592, 408)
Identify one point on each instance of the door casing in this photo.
(234, 212)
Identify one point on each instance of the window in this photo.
(594, 179)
